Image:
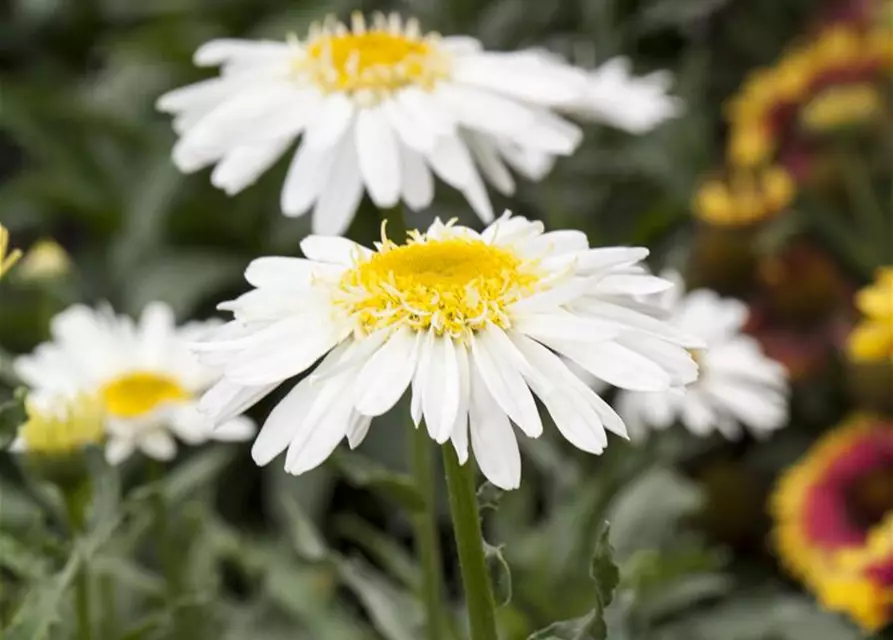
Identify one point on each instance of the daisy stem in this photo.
(470, 545)
(164, 542)
(424, 522)
(76, 498)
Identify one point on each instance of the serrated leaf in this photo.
(40, 609)
(367, 474)
(489, 496)
(500, 574)
(602, 568)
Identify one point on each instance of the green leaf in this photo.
(196, 473)
(602, 568)
(500, 574)
(395, 613)
(12, 416)
(21, 559)
(307, 541)
(40, 610)
(363, 472)
(382, 549)
(583, 628)
(489, 496)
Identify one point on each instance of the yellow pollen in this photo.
(457, 286)
(368, 63)
(65, 428)
(135, 394)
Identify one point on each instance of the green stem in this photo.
(424, 523)
(470, 545)
(76, 499)
(165, 545)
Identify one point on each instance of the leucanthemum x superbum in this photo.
(142, 375)
(738, 384)
(385, 107)
(472, 322)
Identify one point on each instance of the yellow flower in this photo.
(61, 427)
(6, 260)
(44, 260)
(872, 338)
(746, 197)
(841, 106)
(826, 530)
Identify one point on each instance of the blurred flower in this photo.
(7, 258)
(379, 107)
(57, 430)
(833, 520)
(469, 320)
(614, 96)
(829, 83)
(745, 197)
(737, 382)
(143, 373)
(872, 338)
(61, 425)
(44, 260)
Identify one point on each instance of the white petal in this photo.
(601, 259)
(221, 50)
(358, 428)
(338, 202)
(283, 423)
(615, 364)
(226, 399)
(427, 111)
(242, 166)
(285, 273)
(306, 177)
(384, 378)
(417, 183)
(378, 157)
(481, 110)
(442, 389)
(236, 430)
(332, 119)
(492, 439)
(561, 325)
(158, 445)
(451, 162)
(117, 450)
(335, 250)
(635, 285)
(505, 383)
(412, 132)
(487, 155)
(698, 416)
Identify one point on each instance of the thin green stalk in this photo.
(424, 523)
(167, 552)
(470, 544)
(76, 498)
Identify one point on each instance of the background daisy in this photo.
(142, 373)
(737, 382)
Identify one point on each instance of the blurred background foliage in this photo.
(84, 159)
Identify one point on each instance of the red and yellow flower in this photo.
(834, 520)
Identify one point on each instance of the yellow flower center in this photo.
(370, 63)
(457, 286)
(64, 428)
(135, 394)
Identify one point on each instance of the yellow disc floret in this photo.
(455, 286)
(63, 428)
(872, 338)
(368, 63)
(137, 393)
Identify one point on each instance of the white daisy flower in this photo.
(472, 322)
(737, 382)
(383, 108)
(144, 375)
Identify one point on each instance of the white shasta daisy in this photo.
(143, 375)
(472, 322)
(381, 108)
(737, 382)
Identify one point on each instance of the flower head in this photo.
(833, 515)
(61, 426)
(7, 258)
(737, 383)
(142, 374)
(472, 322)
(872, 339)
(744, 198)
(383, 107)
